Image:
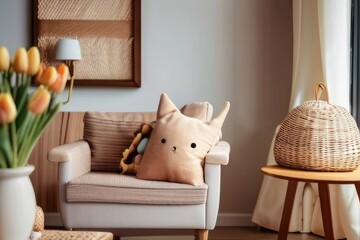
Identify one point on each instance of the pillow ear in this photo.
(166, 106)
(219, 119)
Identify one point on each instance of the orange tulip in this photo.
(20, 63)
(7, 108)
(4, 59)
(33, 60)
(48, 77)
(40, 71)
(59, 85)
(39, 101)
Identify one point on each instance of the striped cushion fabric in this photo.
(109, 134)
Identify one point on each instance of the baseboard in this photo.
(224, 220)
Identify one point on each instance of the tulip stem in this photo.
(26, 147)
(5, 146)
(2, 82)
(17, 80)
(39, 126)
(6, 83)
(14, 143)
(2, 161)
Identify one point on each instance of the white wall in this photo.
(186, 53)
(263, 82)
(15, 24)
(203, 50)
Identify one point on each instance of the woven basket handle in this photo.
(320, 87)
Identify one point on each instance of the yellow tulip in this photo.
(7, 108)
(39, 101)
(59, 85)
(4, 59)
(33, 60)
(48, 77)
(20, 63)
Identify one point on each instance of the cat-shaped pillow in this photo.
(178, 145)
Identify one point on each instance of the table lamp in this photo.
(68, 50)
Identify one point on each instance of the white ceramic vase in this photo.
(17, 203)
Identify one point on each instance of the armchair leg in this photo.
(202, 234)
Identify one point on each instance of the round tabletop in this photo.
(312, 176)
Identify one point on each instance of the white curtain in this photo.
(321, 52)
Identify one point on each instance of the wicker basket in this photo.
(318, 136)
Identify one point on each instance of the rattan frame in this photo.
(99, 79)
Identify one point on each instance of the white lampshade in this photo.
(68, 49)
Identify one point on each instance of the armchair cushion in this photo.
(117, 188)
(109, 134)
(178, 145)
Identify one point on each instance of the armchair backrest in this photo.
(110, 133)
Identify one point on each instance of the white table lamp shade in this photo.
(68, 49)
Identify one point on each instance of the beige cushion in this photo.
(109, 134)
(178, 145)
(117, 188)
(200, 110)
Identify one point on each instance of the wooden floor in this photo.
(221, 233)
(253, 233)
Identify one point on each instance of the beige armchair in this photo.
(93, 194)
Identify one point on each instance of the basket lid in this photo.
(319, 108)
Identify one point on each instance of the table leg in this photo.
(357, 185)
(326, 210)
(288, 205)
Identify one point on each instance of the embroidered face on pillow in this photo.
(178, 145)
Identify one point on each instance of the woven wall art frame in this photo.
(109, 35)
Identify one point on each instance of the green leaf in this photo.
(2, 160)
(21, 100)
(21, 104)
(14, 144)
(5, 145)
(28, 138)
(24, 129)
(7, 86)
(39, 126)
(21, 117)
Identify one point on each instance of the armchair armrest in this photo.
(218, 154)
(74, 160)
(75, 157)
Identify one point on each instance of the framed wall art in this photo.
(109, 33)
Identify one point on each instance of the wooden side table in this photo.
(323, 179)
